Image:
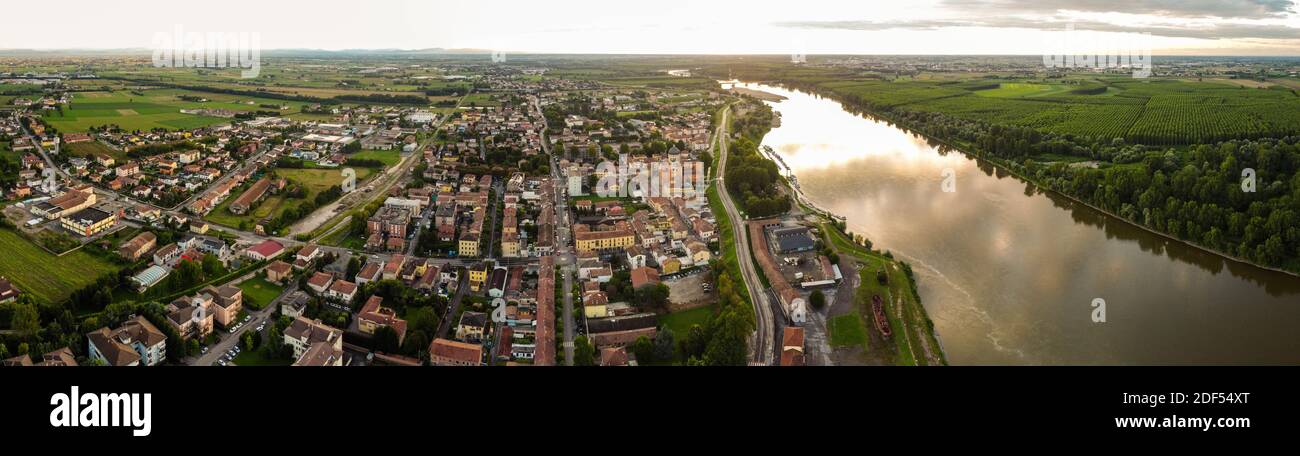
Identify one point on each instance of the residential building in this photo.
(137, 342)
(373, 315)
(303, 333)
(443, 352)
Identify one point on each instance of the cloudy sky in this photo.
(1220, 27)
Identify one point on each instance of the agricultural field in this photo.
(1155, 111)
(155, 108)
(46, 277)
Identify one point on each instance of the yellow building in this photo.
(477, 277)
(468, 246)
(591, 241)
(89, 222)
(510, 245)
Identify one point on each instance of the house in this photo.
(342, 290)
(60, 357)
(472, 326)
(295, 304)
(373, 315)
(137, 342)
(302, 334)
(320, 354)
(167, 255)
(613, 356)
(644, 276)
(370, 272)
(320, 282)
(278, 271)
(199, 227)
(306, 255)
(443, 352)
(138, 246)
(8, 292)
(594, 304)
(792, 353)
(264, 251)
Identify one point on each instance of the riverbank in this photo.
(1004, 167)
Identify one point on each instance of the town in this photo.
(503, 217)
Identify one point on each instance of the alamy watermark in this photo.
(1086, 50)
(181, 49)
(669, 179)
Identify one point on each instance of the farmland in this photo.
(46, 277)
(1156, 112)
(153, 108)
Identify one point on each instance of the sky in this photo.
(1032, 27)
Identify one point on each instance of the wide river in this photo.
(1009, 273)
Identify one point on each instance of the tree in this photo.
(247, 340)
(386, 340)
(584, 354)
(664, 345)
(652, 297)
(817, 299)
(25, 320)
(643, 349)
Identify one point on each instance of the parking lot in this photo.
(689, 291)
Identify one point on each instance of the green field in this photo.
(1017, 90)
(847, 331)
(47, 277)
(258, 292)
(1148, 111)
(389, 157)
(154, 108)
(90, 149)
(681, 321)
(316, 181)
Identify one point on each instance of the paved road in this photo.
(453, 307)
(565, 259)
(763, 341)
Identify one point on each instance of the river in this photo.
(1010, 273)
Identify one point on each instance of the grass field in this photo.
(847, 330)
(389, 157)
(47, 277)
(156, 108)
(681, 321)
(316, 181)
(258, 292)
(913, 332)
(90, 149)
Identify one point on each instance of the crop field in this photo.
(1157, 112)
(155, 108)
(46, 277)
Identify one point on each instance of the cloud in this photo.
(1226, 9)
(1158, 25)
